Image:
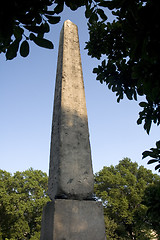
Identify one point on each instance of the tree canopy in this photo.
(129, 45)
(152, 201)
(122, 190)
(129, 193)
(22, 197)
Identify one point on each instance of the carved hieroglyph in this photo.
(70, 172)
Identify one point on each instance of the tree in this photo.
(152, 201)
(23, 21)
(22, 197)
(129, 45)
(121, 189)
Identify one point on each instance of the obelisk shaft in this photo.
(78, 217)
(70, 172)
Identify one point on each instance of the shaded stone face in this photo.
(70, 173)
(73, 220)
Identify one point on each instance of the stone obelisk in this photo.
(72, 213)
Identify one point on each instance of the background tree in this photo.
(121, 189)
(152, 201)
(22, 197)
(130, 195)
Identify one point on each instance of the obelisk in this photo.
(72, 213)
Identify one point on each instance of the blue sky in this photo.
(26, 103)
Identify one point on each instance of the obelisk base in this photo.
(65, 219)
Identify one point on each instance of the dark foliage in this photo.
(22, 21)
(152, 201)
(129, 45)
(130, 206)
(22, 197)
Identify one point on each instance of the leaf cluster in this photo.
(17, 17)
(154, 153)
(22, 197)
(23, 21)
(130, 46)
(150, 113)
(121, 189)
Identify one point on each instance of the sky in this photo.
(26, 105)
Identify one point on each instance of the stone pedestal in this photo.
(73, 220)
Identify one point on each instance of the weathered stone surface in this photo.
(70, 171)
(73, 220)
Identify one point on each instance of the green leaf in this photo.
(88, 12)
(46, 27)
(95, 70)
(59, 8)
(158, 144)
(120, 97)
(35, 29)
(146, 154)
(72, 5)
(24, 49)
(12, 50)
(147, 125)
(49, 12)
(42, 42)
(110, 4)
(143, 104)
(158, 166)
(32, 36)
(52, 19)
(135, 96)
(104, 63)
(152, 161)
(18, 33)
(43, 28)
(104, 4)
(129, 94)
(114, 88)
(139, 121)
(102, 14)
(38, 18)
(93, 18)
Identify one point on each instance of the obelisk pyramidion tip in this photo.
(68, 22)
